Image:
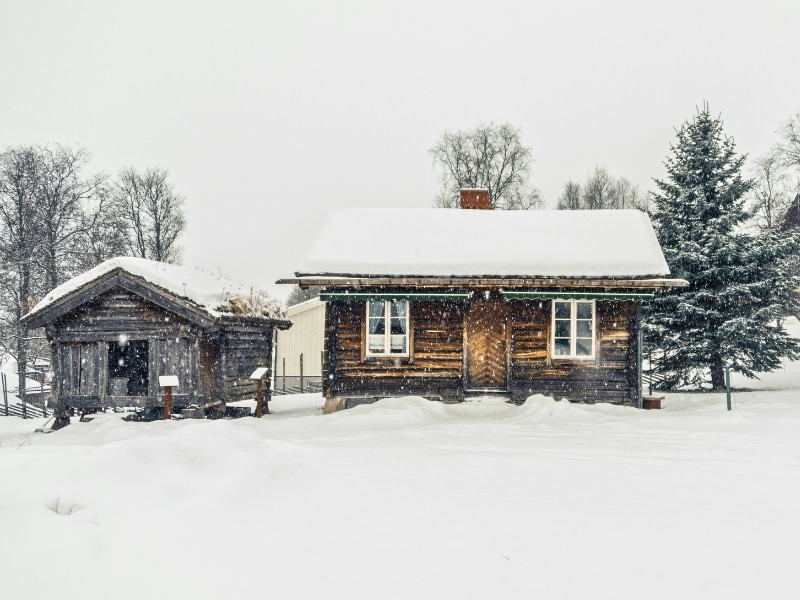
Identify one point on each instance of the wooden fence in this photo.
(14, 408)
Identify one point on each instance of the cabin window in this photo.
(128, 368)
(573, 328)
(387, 328)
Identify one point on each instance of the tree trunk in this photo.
(22, 366)
(717, 375)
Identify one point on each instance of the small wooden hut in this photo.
(451, 303)
(117, 328)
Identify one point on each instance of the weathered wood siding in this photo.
(119, 312)
(80, 347)
(610, 377)
(241, 351)
(213, 358)
(80, 369)
(435, 367)
(174, 356)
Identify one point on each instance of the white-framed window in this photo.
(573, 329)
(387, 328)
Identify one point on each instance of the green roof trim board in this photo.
(447, 296)
(463, 296)
(576, 295)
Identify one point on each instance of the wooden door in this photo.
(81, 365)
(486, 332)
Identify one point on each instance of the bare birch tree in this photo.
(150, 212)
(601, 191)
(789, 145)
(571, 197)
(67, 204)
(19, 168)
(772, 191)
(489, 156)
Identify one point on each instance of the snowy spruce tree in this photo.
(739, 284)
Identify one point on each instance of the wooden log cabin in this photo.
(447, 304)
(114, 330)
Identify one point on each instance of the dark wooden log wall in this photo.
(610, 377)
(214, 364)
(174, 356)
(80, 346)
(119, 312)
(241, 351)
(434, 369)
(436, 365)
(80, 368)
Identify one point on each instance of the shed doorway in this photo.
(128, 366)
(486, 352)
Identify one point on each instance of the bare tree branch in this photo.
(150, 212)
(601, 191)
(772, 191)
(489, 156)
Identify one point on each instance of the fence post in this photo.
(284, 374)
(728, 385)
(5, 391)
(301, 372)
(639, 339)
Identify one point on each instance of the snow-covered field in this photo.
(413, 499)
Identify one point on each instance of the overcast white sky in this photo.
(270, 114)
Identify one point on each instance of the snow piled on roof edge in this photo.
(213, 294)
(426, 242)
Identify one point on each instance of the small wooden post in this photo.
(262, 406)
(260, 399)
(168, 382)
(168, 402)
(284, 374)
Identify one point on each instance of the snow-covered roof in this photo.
(210, 293)
(469, 243)
(304, 306)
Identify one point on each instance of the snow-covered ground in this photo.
(413, 499)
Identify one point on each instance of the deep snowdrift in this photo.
(410, 498)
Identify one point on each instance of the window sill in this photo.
(389, 359)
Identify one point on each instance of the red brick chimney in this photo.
(475, 198)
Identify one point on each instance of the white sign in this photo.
(259, 373)
(168, 380)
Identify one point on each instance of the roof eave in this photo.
(359, 281)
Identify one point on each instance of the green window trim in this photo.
(454, 296)
(576, 295)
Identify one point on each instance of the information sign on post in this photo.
(261, 406)
(168, 382)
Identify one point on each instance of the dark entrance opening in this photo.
(128, 368)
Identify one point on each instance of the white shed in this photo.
(302, 343)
